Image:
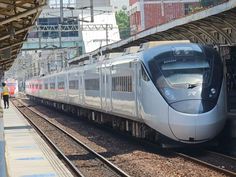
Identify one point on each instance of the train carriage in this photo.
(12, 85)
(175, 88)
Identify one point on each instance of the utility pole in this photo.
(61, 22)
(107, 34)
(61, 11)
(91, 7)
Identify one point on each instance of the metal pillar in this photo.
(142, 14)
(61, 22)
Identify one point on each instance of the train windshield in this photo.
(185, 71)
(181, 67)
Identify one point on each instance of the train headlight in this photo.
(212, 92)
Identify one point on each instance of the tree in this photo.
(206, 3)
(123, 23)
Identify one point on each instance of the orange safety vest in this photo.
(5, 90)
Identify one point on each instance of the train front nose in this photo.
(194, 120)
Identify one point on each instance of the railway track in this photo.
(210, 160)
(82, 160)
(216, 161)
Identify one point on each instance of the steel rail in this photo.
(100, 157)
(221, 170)
(58, 151)
(222, 155)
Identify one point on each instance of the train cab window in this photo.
(144, 75)
(194, 71)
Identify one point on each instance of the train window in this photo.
(61, 85)
(125, 83)
(32, 86)
(92, 84)
(122, 84)
(40, 86)
(52, 85)
(46, 86)
(74, 84)
(130, 84)
(36, 86)
(118, 84)
(144, 75)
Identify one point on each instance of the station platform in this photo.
(26, 154)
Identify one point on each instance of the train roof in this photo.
(152, 44)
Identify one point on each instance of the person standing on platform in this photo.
(5, 95)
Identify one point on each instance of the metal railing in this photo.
(63, 28)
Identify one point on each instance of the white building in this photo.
(80, 28)
(105, 31)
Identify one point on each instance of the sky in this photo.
(117, 4)
(120, 3)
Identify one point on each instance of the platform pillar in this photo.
(2, 147)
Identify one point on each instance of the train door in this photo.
(108, 88)
(66, 88)
(103, 87)
(105, 73)
(138, 92)
(144, 90)
(81, 88)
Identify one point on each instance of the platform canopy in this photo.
(215, 26)
(16, 18)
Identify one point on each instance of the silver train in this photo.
(176, 88)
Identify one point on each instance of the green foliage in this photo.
(123, 23)
(206, 3)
